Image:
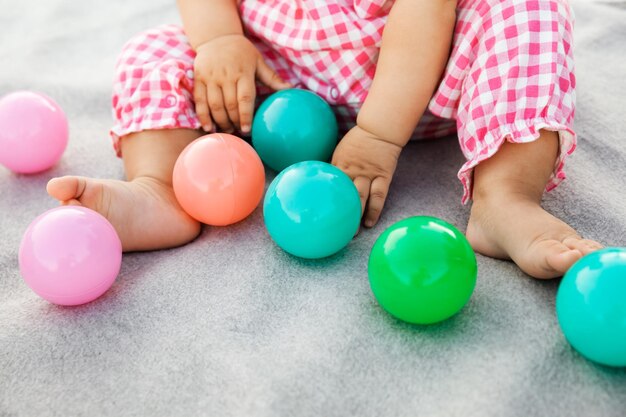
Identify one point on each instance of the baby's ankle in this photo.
(152, 182)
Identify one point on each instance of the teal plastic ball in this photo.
(292, 126)
(312, 209)
(422, 270)
(591, 306)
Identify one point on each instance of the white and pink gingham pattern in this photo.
(332, 46)
(510, 72)
(153, 88)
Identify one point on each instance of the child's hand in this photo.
(370, 162)
(224, 77)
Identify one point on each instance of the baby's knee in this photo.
(535, 16)
(160, 43)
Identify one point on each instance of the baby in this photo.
(498, 72)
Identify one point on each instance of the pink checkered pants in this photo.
(510, 72)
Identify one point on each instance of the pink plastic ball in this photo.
(219, 179)
(33, 132)
(70, 255)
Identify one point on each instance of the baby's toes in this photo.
(66, 188)
(585, 246)
(558, 258)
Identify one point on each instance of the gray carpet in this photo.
(229, 325)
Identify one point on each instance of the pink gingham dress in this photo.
(510, 71)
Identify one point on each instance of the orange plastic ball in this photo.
(219, 179)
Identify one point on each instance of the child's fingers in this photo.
(216, 106)
(269, 77)
(363, 187)
(229, 92)
(377, 196)
(246, 94)
(202, 106)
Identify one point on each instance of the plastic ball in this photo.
(422, 270)
(33, 132)
(591, 306)
(292, 126)
(219, 179)
(70, 255)
(312, 209)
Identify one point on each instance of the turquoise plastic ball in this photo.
(312, 209)
(293, 126)
(591, 306)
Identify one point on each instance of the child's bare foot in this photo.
(507, 220)
(510, 227)
(144, 211)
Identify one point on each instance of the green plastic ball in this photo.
(422, 270)
(292, 126)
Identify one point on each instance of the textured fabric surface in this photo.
(229, 325)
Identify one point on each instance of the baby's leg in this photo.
(154, 120)
(507, 220)
(511, 83)
(143, 209)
